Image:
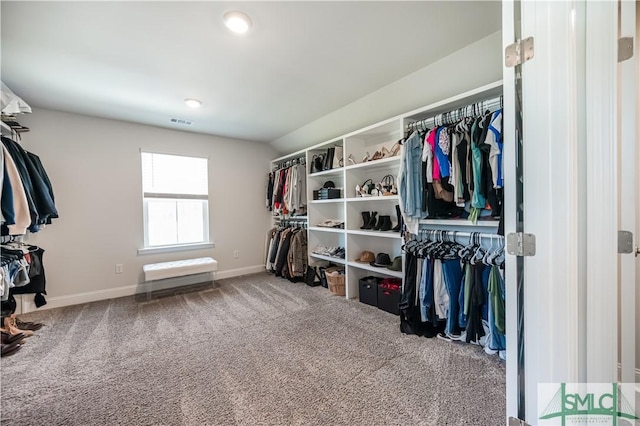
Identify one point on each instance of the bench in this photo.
(178, 268)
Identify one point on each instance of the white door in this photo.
(575, 188)
(628, 186)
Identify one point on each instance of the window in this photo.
(176, 200)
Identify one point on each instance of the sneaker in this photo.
(443, 336)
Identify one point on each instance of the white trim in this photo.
(628, 93)
(27, 304)
(602, 198)
(182, 247)
(231, 273)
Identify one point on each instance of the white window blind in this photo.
(175, 198)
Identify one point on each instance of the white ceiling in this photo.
(137, 61)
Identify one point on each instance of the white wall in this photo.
(94, 165)
(473, 66)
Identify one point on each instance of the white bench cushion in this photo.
(179, 268)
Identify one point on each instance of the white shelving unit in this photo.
(358, 145)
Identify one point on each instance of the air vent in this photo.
(181, 121)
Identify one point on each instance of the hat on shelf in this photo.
(382, 259)
(397, 264)
(366, 257)
(329, 184)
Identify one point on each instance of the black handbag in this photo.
(317, 163)
(328, 159)
(323, 277)
(310, 277)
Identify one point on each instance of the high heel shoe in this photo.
(385, 152)
(395, 149)
(366, 158)
(351, 159)
(376, 156)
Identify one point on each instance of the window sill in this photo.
(168, 249)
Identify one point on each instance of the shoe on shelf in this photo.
(366, 158)
(377, 156)
(385, 152)
(351, 159)
(395, 149)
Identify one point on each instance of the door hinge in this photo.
(625, 242)
(625, 48)
(519, 52)
(521, 244)
(517, 422)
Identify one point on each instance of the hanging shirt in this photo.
(494, 140)
(443, 147)
(440, 295)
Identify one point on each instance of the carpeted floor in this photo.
(254, 350)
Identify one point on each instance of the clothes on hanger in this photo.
(458, 172)
(454, 292)
(287, 190)
(27, 193)
(286, 252)
(21, 272)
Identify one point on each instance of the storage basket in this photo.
(335, 279)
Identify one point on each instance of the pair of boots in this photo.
(383, 222)
(369, 221)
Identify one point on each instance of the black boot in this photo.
(398, 227)
(365, 219)
(380, 223)
(372, 221)
(386, 223)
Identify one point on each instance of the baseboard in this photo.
(27, 304)
(230, 273)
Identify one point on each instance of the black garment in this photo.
(281, 261)
(36, 185)
(410, 317)
(8, 306)
(42, 173)
(16, 154)
(270, 191)
(38, 282)
(274, 249)
(475, 330)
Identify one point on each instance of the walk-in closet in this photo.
(320, 213)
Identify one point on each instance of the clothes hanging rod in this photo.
(454, 115)
(289, 163)
(440, 235)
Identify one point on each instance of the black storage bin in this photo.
(369, 290)
(388, 300)
(327, 194)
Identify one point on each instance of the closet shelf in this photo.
(323, 229)
(380, 270)
(331, 172)
(461, 222)
(383, 163)
(332, 200)
(383, 234)
(381, 198)
(328, 258)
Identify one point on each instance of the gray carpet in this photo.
(254, 350)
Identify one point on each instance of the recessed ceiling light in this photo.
(237, 22)
(193, 103)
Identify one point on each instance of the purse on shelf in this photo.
(317, 163)
(388, 185)
(328, 159)
(366, 189)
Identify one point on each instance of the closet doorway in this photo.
(571, 307)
